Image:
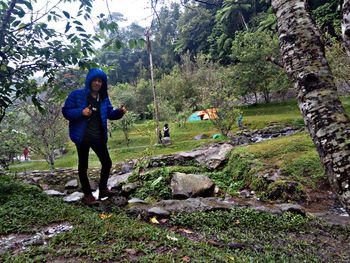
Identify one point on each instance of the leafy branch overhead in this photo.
(28, 45)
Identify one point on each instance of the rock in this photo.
(119, 201)
(126, 168)
(128, 188)
(293, 208)
(166, 141)
(54, 193)
(136, 201)
(191, 185)
(115, 181)
(194, 204)
(240, 140)
(72, 184)
(212, 157)
(157, 211)
(74, 197)
(244, 194)
(200, 137)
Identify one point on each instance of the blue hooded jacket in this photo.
(77, 102)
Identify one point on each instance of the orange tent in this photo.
(208, 114)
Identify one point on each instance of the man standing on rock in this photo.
(87, 110)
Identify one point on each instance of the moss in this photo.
(285, 191)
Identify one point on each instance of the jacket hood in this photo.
(97, 73)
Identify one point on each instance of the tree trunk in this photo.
(156, 108)
(304, 60)
(345, 26)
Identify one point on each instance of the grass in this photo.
(240, 235)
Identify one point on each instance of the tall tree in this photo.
(304, 60)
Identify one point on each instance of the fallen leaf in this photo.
(104, 216)
(172, 238)
(154, 220)
(186, 259)
(186, 231)
(231, 258)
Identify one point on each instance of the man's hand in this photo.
(87, 111)
(122, 109)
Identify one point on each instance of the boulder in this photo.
(74, 197)
(72, 184)
(54, 193)
(191, 185)
(115, 181)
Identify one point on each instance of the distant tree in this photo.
(46, 130)
(12, 140)
(126, 123)
(194, 26)
(254, 75)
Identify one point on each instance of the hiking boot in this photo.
(106, 193)
(90, 200)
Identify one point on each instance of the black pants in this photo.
(101, 151)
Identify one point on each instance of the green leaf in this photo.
(68, 26)
(80, 29)
(155, 182)
(26, 3)
(132, 43)
(66, 14)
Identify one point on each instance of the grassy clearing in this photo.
(240, 235)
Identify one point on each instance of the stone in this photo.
(157, 211)
(293, 208)
(126, 168)
(128, 188)
(212, 157)
(72, 184)
(136, 201)
(54, 193)
(244, 193)
(191, 185)
(194, 204)
(115, 181)
(74, 197)
(200, 137)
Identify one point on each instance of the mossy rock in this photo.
(284, 190)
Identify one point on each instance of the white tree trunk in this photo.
(345, 26)
(304, 60)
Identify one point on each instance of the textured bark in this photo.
(304, 60)
(345, 26)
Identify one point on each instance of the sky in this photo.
(137, 11)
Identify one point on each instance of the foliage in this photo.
(251, 50)
(126, 123)
(29, 45)
(46, 130)
(12, 140)
(215, 234)
(194, 27)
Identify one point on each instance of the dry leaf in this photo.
(104, 216)
(154, 220)
(172, 238)
(186, 259)
(231, 258)
(186, 231)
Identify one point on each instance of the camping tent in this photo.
(203, 115)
